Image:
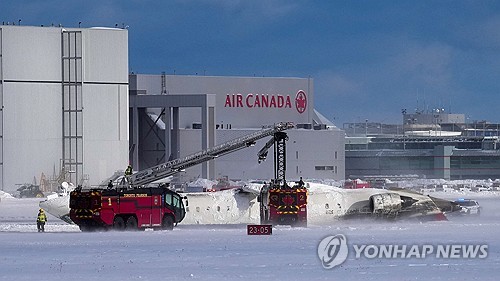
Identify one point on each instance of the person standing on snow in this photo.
(128, 171)
(301, 182)
(41, 220)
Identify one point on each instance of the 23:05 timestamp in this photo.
(259, 229)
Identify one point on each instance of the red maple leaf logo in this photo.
(288, 200)
(301, 101)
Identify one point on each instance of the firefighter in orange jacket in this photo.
(41, 220)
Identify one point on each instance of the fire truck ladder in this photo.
(279, 141)
(175, 166)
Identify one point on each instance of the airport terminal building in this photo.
(433, 144)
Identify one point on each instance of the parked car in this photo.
(468, 207)
(481, 187)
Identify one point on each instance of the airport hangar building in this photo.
(207, 110)
(64, 95)
(64, 104)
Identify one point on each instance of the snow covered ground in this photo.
(225, 252)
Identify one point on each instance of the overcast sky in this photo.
(368, 59)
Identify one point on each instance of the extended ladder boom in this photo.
(175, 166)
(279, 141)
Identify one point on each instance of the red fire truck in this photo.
(128, 201)
(281, 203)
(130, 209)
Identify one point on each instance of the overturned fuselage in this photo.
(326, 204)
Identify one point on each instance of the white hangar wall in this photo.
(312, 154)
(33, 69)
(106, 130)
(31, 53)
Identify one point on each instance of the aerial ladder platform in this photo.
(281, 202)
(173, 167)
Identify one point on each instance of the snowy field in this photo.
(216, 252)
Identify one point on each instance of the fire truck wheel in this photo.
(131, 223)
(167, 223)
(119, 224)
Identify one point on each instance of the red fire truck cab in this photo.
(283, 205)
(126, 209)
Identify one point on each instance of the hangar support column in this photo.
(208, 139)
(134, 146)
(171, 120)
(168, 133)
(175, 138)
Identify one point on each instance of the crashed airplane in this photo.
(326, 204)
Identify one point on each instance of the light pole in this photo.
(366, 133)
(366, 127)
(435, 124)
(467, 126)
(354, 126)
(403, 111)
